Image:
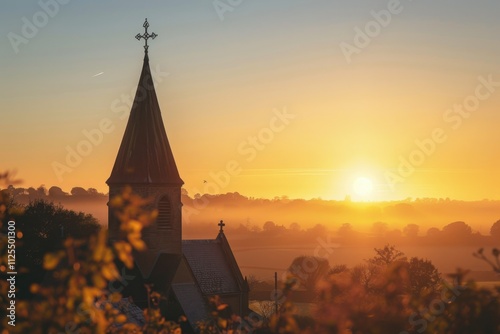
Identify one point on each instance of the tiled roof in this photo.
(210, 266)
(133, 313)
(191, 301)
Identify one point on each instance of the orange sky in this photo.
(268, 89)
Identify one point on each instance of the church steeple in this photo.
(146, 163)
(145, 156)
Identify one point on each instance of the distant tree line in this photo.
(53, 192)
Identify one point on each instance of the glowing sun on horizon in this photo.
(362, 186)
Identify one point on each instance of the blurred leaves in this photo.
(72, 296)
(494, 262)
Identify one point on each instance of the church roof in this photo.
(213, 264)
(145, 156)
(191, 301)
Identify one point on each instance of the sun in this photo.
(362, 186)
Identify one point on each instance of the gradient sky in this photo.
(228, 77)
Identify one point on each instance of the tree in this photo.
(422, 274)
(379, 229)
(42, 191)
(362, 304)
(271, 229)
(318, 230)
(80, 273)
(365, 275)
(423, 277)
(345, 231)
(45, 226)
(457, 229)
(495, 230)
(269, 226)
(433, 232)
(266, 309)
(295, 227)
(386, 256)
(78, 191)
(338, 269)
(473, 310)
(92, 192)
(308, 270)
(34, 193)
(411, 230)
(56, 192)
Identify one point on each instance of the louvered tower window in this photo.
(164, 214)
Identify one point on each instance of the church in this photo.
(186, 273)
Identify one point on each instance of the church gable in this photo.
(188, 294)
(210, 266)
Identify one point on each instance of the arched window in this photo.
(164, 214)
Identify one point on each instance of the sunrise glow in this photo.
(292, 111)
(363, 187)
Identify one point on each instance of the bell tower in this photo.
(145, 162)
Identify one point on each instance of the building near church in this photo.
(185, 272)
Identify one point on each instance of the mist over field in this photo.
(236, 209)
(267, 234)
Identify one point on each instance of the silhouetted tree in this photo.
(44, 227)
(473, 310)
(308, 270)
(345, 231)
(433, 232)
(78, 191)
(386, 256)
(318, 230)
(18, 192)
(269, 226)
(495, 230)
(494, 263)
(411, 230)
(458, 230)
(379, 229)
(42, 191)
(423, 276)
(56, 192)
(346, 305)
(92, 192)
(338, 269)
(33, 193)
(365, 275)
(271, 229)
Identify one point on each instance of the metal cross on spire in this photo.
(221, 225)
(146, 35)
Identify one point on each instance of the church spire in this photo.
(145, 156)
